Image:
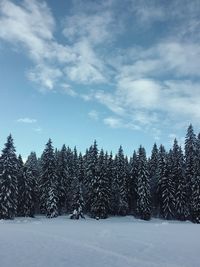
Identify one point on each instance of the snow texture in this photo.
(115, 242)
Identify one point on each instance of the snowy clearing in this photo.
(117, 242)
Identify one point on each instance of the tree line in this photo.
(100, 184)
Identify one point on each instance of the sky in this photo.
(121, 72)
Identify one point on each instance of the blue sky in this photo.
(122, 72)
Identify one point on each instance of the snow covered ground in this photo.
(115, 242)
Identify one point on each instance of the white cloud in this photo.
(143, 93)
(113, 122)
(94, 115)
(45, 75)
(68, 90)
(95, 27)
(30, 24)
(116, 122)
(143, 86)
(27, 120)
(38, 130)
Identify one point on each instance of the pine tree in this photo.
(166, 186)
(33, 166)
(143, 187)
(133, 180)
(178, 175)
(21, 188)
(77, 198)
(110, 175)
(195, 190)
(91, 175)
(28, 195)
(190, 157)
(153, 174)
(8, 181)
(100, 204)
(49, 184)
(115, 192)
(64, 180)
(121, 183)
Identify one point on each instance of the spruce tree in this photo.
(195, 190)
(121, 183)
(77, 197)
(64, 180)
(91, 175)
(21, 188)
(143, 187)
(190, 157)
(166, 186)
(115, 192)
(133, 181)
(100, 204)
(48, 182)
(110, 170)
(28, 195)
(8, 181)
(153, 174)
(33, 167)
(178, 175)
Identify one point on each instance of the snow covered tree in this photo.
(8, 181)
(115, 196)
(33, 166)
(153, 174)
(28, 195)
(178, 175)
(64, 180)
(195, 190)
(190, 157)
(143, 187)
(77, 203)
(166, 185)
(195, 200)
(20, 184)
(90, 175)
(133, 180)
(100, 205)
(48, 182)
(120, 181)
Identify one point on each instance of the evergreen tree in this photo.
(121, 183)
(166, 186)
(153, 174)
(33, 166)
(178, 175)
(64, 180)
(115, 192)
(143, 187)
(91, 175)
(48, 185)
(133, 180)
(77, 199)
(195, 190)
(100, 204)
(162, 158)
(190, 157)
(21, 188)
(110, 171)
(8, 181)
(28, 195)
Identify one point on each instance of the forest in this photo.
(99, 184)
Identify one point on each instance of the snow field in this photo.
(114, 242)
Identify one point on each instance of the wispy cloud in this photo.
(143, 84)
(27, 120)
(37, 130)
(94, 115)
